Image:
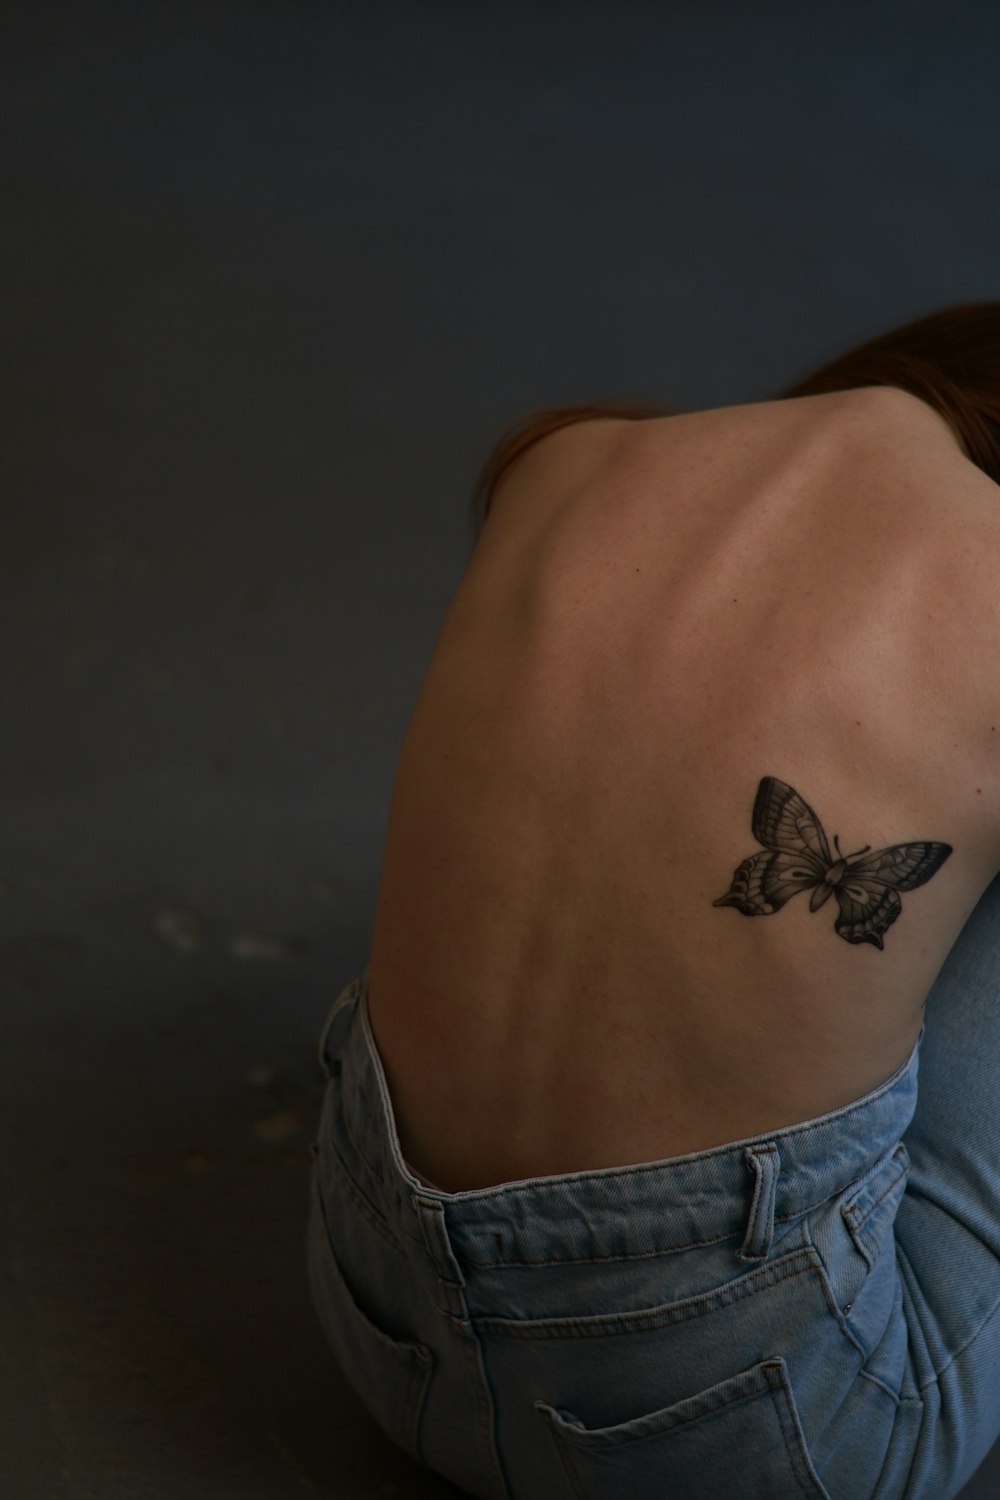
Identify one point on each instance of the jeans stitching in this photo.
(362, 1203)
(648, 1437)
(612, 1325)
(851, 1208)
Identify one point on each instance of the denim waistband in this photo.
(744, 1187)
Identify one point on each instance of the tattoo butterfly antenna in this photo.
(796, 857)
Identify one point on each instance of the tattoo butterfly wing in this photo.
(867, 890)
(781, 819)
(796, 856)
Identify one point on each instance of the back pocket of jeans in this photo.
(741, 1437)
(389, 1375)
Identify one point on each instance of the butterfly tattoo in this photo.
(796, 857)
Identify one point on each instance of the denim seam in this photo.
(586, 1259)
(850, 1209)
(874, 1380)
(345, 1115)
(593, 1259)
(784, 1405)
(675, 1249)
(933, 1380)
(908, 1275)
(650, 1254)
(628, 1324)
(705, 1416)
(362, 1203)
(785, 1218)
(835, 1308)
(485, 1405)
(411, 1349)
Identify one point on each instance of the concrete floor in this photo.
(276, 275)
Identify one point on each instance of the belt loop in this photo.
(335, 1024)
(449, 1272)
(765, 1163)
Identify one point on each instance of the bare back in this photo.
(658, 615)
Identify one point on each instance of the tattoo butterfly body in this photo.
(796, 857)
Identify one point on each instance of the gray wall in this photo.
(276, 275)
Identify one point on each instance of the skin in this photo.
(658, 615)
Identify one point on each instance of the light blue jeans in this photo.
(803, 1314)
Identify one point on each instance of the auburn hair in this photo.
(950, 359)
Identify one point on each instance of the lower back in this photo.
(762, 591)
